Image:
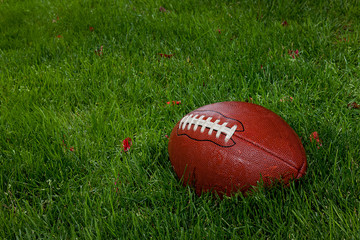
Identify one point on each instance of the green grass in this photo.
(55, 90)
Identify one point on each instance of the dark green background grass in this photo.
(56, 89)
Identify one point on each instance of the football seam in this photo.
(269, 152)
(301, 173)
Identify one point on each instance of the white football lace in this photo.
(190, 120)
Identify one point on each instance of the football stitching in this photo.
(192, 119)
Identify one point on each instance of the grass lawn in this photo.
(77, 78)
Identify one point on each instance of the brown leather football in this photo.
(228, 147)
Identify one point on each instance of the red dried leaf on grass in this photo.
(99, 51)
(353, 105)
(343, 39)
(284, 24)
(166, 55)
(71, 149)
(162, 9)
(293, 53)
(91, 29)
(262, 68)
(284, 99)
(126, 144)
(315, 137)
(172, 103)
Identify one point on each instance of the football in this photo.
(228, 147)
